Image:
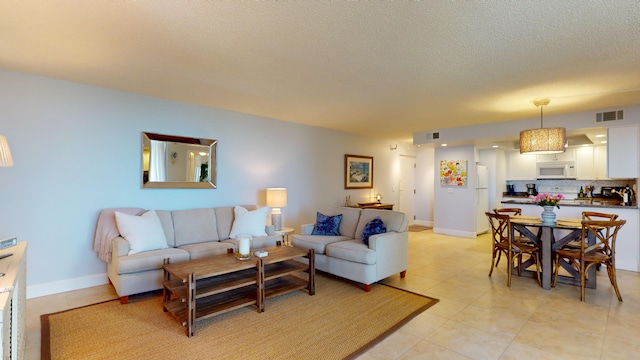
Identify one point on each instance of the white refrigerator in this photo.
(482, 199)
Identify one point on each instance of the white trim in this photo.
(423, 223)
(458, 233)
(56, 287)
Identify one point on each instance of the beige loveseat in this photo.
(347, 256)
(190, 234)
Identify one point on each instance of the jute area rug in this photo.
(340, 321)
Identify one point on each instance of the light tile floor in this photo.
(478, 317)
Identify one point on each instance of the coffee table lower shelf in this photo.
(212, 305)
(203, 288)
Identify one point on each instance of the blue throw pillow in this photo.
(375, 226)
(327, 225)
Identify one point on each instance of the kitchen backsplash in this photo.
(521, 186)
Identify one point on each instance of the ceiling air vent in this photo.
(433, 136)
(610, 116)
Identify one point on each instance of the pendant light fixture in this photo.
(543, 140)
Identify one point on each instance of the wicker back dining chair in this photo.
(508, 211)
(590, 216)
(517, 236)
(603, 252)
(503, 243)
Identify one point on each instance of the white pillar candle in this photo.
(244, 245)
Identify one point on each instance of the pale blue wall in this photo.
(76, 150)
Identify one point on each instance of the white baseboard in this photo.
(627, 265)
(423, 223)
(465, 234)
(56, 287)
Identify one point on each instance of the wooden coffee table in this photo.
(203, 288)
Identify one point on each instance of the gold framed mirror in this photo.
(170, 161)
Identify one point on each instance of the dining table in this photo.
(550, 237)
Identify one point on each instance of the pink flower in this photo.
(546, 199)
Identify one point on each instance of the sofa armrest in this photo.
(269, 229)
(119, 247)
(392, 252)
(306, 229)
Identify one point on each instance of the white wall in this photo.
(424, 186)
(455, 205)
(77, 148)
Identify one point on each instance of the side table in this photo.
(284, 232)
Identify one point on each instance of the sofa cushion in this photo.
(315, 242)
(350, 217)
(352, 250)
(327, 225)
(194, 226)
(393, 220)
(167, 225)
(375, 226)
(149, 260)
(249, 222)
(144, 232)
(206, 249)
(224, 219)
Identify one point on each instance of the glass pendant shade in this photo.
(543, 141)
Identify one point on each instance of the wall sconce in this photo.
(5, 153)
(378, 197)
(276, 199)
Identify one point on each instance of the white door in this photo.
(406, 186)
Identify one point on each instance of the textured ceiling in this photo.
(377, 68)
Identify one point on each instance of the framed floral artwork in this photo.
(453, 172)
(358, 172)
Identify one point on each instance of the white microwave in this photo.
(556, 170)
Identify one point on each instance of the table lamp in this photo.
(5, 153)
(276, 199)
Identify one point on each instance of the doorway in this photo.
(406, 186)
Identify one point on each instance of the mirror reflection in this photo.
(170, 161)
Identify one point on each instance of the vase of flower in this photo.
(548, 216)
(548, 202)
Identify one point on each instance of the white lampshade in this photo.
(5, 152)
(543, 141)
(277, 197)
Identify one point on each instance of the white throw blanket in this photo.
(107, 230)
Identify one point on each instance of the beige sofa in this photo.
(347, 256)
(190, 234)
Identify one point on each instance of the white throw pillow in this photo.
(249, 222)
(144, 233)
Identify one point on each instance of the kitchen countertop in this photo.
(584, 202)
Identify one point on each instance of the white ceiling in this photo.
(377, 68)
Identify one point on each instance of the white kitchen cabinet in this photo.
(622, 152)
(568, 155)
(600, 162)
(521, 167)
(584, 163)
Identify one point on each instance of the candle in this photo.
(244, 245)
